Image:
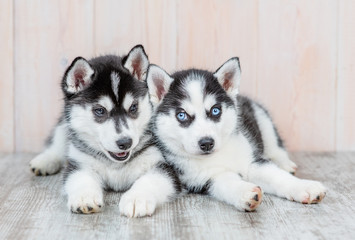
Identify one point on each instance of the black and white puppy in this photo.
(104, 140)
(220, 142)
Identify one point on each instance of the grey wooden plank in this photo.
(34, 208)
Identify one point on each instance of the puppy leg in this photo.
(230, 188)
(84, 191)
(280, 157)
(280, 183)
(52, 158)
(148, 192)
(272, 142)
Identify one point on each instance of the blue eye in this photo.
(215, 111)
(100, 111)
(181, 116)
(133, 108)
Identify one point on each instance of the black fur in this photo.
(201, 189)
(177, 91)
(169, 170)
(260, 160)
(248, 124)
(71, 167)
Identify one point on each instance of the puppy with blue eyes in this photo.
(221, 143)
(103, 140)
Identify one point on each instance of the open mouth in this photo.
(119, 156)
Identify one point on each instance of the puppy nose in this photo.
(206, 144)
(124, 143)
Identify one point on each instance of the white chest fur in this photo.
(115, 175)
(235, 156)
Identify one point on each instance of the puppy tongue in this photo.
(122, 154)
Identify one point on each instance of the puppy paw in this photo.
(45, 164)
(253, 199)
(249, 197)
(282, 160)
(307, 192)
(135, 204)
(288, 166)
(85, 203)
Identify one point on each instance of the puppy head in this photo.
(195, 110)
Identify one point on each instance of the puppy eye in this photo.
(133, 108)
(100, 111)
(215, 111)
(181, 116)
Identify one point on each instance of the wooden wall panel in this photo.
(297, 70)
(297, 57)
(210, 32)
(345, 117)
(7, 79)
(48, 35)
(120, 25)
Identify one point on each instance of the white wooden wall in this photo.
(297, 57)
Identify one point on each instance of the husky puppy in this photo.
(103, 138)
(221, 143)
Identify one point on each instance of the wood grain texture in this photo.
(120, 25)
(345, 117)
(297, 58)
(297, 70)
(211, 32)
(48, 35)
(34, 208)
(7, 77)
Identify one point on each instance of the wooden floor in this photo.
(34, 208)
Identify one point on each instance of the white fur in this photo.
(279, 182)
(82, 198)
(117, 175)
(185, 141)
(127, 101)
(230, 188)
(52, 158)
(234, 156)
(150, 187)
(115, 82)
(103, 136)
(106, 102)
(146, 193)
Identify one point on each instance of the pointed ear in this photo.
(137, 62)
(229, 75)
(158, 83)
(78, 76)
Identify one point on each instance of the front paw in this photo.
(307, 192)
(136, 204)
(45, 164)
(251, 199)
(85, 203)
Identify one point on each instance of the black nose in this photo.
(206, 144)
(124, 143)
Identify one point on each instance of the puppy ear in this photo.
(78, 76)
(229, 75)
(158, 83)
(137, 62)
